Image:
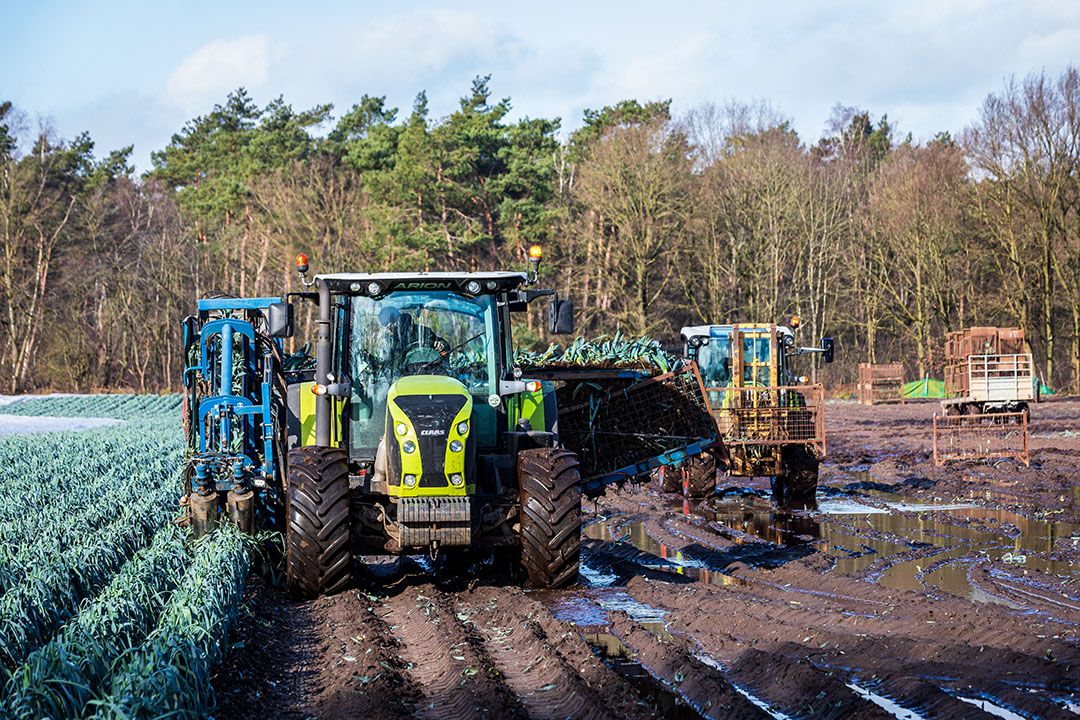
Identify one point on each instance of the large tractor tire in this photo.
(317, 552)
(797, 487)
(550, 490)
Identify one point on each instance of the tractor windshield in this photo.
(415, 333)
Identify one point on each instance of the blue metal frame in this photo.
(236, 449)
(594, 486)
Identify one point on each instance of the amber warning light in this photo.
(536, 252)
(301, 263)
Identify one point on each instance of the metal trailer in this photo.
(989, 382)
(988, 369)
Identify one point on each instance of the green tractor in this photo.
(411, 432)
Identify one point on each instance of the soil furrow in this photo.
(446, 659)
(554, 675)
(669, 659)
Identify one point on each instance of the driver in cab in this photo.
(410, 343)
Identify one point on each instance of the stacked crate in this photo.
(962, 344)
(880, 383)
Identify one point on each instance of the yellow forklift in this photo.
(770, 421)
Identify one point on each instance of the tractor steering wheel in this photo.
(421, 356)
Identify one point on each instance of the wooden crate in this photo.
(880, 383)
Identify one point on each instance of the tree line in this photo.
(650, 221)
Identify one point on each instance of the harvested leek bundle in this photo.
(616, 351)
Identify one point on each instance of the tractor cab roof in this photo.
(379, 284)
(725, 330)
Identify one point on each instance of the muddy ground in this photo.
(910, 591)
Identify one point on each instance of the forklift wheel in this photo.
(798, 486)
(550, 487)
(317, 552)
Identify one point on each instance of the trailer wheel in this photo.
(550, 491)
(700, 474)
(317, 552)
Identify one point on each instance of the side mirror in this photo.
(561, 317)
(828, 346)
(280, 319)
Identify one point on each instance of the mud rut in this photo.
(687, 611)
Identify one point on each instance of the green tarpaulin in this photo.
(925, 388)
(934, 388)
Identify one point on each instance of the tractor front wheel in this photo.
(317, 552)
(550, 492)
(797, 487)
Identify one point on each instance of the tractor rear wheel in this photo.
(550, 491)
(317, 552)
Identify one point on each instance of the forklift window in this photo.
(714, 361)
(413, 333)
(756, 352)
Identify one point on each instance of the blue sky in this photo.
(133, 72)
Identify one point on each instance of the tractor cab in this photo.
(421, 389)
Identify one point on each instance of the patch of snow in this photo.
(24, 425)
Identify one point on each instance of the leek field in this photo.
(107, 610)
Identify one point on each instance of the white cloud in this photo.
(217, 68)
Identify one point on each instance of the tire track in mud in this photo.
(545, 662)
(446, 659)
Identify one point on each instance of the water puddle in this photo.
(989, 707)
(897, 542)
(593, 610)
(885, 703)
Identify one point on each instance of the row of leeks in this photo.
(107, 608)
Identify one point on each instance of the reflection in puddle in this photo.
(669, 559)
(905, 546)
